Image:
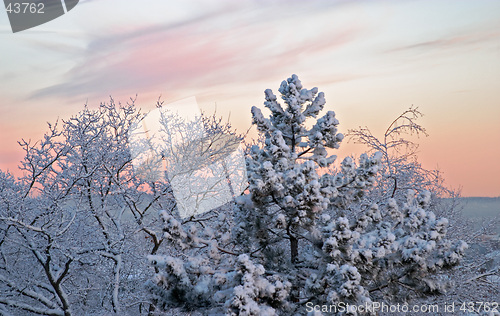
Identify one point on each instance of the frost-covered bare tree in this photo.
(77, 226)
(73, 226)
(400, 167)
(204, 163)
(298, 238)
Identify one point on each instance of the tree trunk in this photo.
(294, 248)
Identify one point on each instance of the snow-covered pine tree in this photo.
(401, 171)
(299, 238)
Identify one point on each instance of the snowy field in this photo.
(481, 206)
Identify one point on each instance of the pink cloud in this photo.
(190, 56)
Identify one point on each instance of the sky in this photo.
(372, 59)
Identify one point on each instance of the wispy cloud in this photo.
(218, 47)
(454, 41)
